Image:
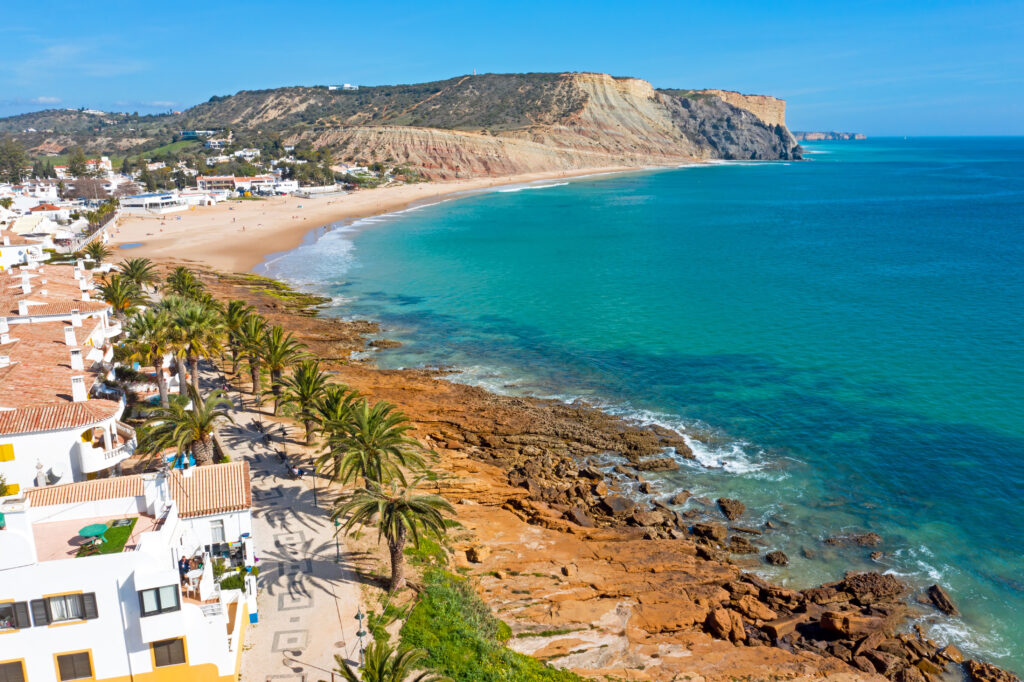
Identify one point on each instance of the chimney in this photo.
(80, 264)
(85, 296)
(78, 393)
(7, 240)
(69, 337)
(82, 284)
(5, 338)
(23, 307)
(26, 285)
(76, 359)
(3, 325)
(78, 273)
(5, 360)
(76, 318)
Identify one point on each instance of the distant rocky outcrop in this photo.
(817, 136)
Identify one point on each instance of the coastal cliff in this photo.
(574, 122)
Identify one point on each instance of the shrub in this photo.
(464, 640)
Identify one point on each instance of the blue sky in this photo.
(882, 68)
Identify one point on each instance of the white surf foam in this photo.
(520, 189)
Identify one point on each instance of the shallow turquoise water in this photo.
(843, 332)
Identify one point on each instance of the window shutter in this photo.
(21, 615)
(40, 616)
(6, 452)
(89, 606)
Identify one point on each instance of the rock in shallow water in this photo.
(777, 558)
(941, 600)
(733, 509)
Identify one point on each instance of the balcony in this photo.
(113, 329)
(97, 455)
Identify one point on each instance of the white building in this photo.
(248, 154)
(214, 160)
(124, 611)
(154, 203)
(55, 352)
(17, 250)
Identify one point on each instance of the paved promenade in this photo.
(308, 590)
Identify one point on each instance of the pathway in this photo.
(308, 587)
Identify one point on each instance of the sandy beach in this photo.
(238, 235)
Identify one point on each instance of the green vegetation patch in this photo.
(116, 539)
(297, 302)
(464, 640)
(429, 553)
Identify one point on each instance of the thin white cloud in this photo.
(64, 60)
(46, 100)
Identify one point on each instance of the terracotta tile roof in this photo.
(63, 292)
(86, 491)
(56, 416)
(44, 207)
(212, 489)
(39, 372)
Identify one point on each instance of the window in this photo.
(169, 652)
(217, 530)
(7, 452)
(13, 615)
(159, 600)
(64, 608)
(12, 672)
(74, 666)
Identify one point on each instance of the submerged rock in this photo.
(710, 531)
(857, 539)
(657, 464)
(777, 558)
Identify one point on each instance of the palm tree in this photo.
(234, 317)
(97, 251)
(184, 283)
(371, 444)
(177, 345)
(304, 389)
(121, 293)
(250, 340)
(187, 430)
(201, 330)
(385, 664)
(148, 343)
(138, 270)
(400, 516)
(280, 350)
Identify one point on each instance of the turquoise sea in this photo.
(842, 337)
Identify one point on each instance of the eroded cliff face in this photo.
(584, 120)
(771, 110)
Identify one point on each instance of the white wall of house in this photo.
(119, 637)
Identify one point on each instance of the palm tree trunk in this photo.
(234, 358)
(161, 383)
(182, 380)
(254, 375)
(308, 424)
(203, 451)
(275, 387)
(194, 364)
(397, 561)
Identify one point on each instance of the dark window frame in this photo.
(171, 649)
(20, 617)
(161, 608)
(74, 663)
(8, 667)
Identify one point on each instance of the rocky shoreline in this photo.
(589, 579)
